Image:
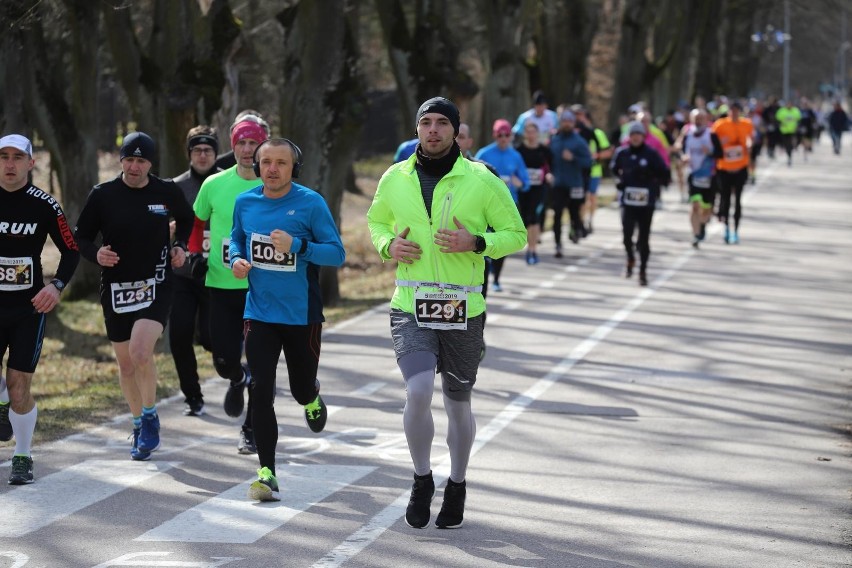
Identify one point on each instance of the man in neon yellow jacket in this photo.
(430, 214)
(788, 117)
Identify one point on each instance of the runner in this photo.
(190, 312)
(27, 216)
(697, 144)
(545, 119)
(807, 128)
(788, 118)
(601, 151)
(734, 135)
(511, 168)
(131, 213)
(570, 156)
(537, 158)
(429, 214)
(838, 123)
(755, 115)
(640, 171)
(283, 233)
(215, 204)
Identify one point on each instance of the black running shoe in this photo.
(452, 511)
(247, 445)
(5, 425)
(22, 470)
(643, 278)
(194, 407)
(422, 492)
(234, 399)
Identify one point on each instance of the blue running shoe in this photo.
(135, 453)
(149, 437)
(735, 238)
(728, 235)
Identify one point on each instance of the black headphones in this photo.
(296, 150)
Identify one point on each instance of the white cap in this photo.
(18, 142)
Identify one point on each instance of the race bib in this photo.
(132, 296)
(16, 273)
(205, 245)
(536, 176)
(264, 255)
(440, 306)
(226, 252)
(577, 193)
(637, 196)
(701, 182)
(733, 153)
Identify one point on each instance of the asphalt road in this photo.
(699, 422)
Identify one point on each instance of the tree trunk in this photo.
(564, 63)
(323, 103)
(507, 24)
(60, 97)
(178, 71)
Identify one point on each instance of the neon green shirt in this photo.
(215, 202)
(788, 119)
(601, 142)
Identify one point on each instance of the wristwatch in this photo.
(479, 248)
(58, 284)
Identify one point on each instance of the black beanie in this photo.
(138, 145)
(202, 139)
(439, 105)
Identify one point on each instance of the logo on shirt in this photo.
(18, 228)
(291, 212)
(158, 209)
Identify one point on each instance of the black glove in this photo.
(197, 266)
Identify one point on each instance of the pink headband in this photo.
(245, 130)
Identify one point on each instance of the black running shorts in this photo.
(22, 334)
(120, 325)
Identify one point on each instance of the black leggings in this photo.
(789, 143)
(226, 337)
(631, 217)
(264, 343)
(561, 199)
(731, 184)
(190, 312)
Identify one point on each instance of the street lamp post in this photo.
(772, 39)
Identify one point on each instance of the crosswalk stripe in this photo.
(65, 492)
(232, 518)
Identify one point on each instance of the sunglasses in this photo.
(504, 135)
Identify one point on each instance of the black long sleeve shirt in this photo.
(27, 216)
(134, 222)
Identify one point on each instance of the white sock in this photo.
(23, 425)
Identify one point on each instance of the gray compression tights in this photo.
(418, 370)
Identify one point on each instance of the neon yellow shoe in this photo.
(265, 488)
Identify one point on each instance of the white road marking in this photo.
(65, 492)
(141, 559)
(368, 389)
(232, 518)
(373, 529)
